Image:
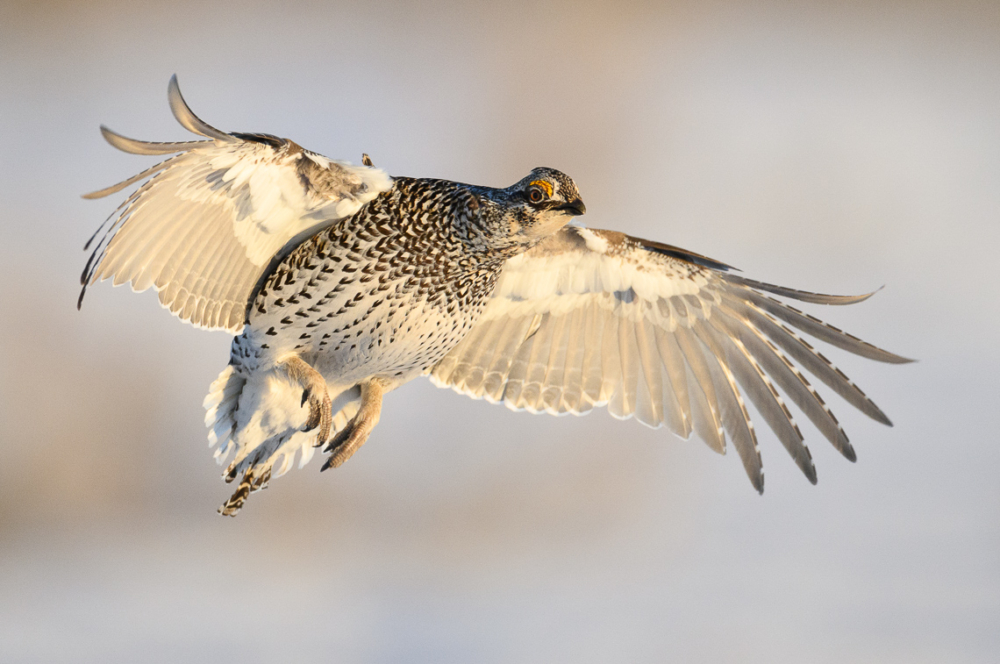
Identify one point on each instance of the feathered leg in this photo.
(354, 435)
(314, 391)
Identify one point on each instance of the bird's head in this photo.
(514, 219)
(546, 200)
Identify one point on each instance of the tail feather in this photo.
(220, 409)
(261, 418)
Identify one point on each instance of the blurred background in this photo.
(827, 146)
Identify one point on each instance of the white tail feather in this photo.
(261, 417)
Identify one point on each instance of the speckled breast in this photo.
(387, 292)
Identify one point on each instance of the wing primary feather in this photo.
(623, 405)
(801, 295)
(759, 388)
(125, 211)
(186, 117)
(677, 399)
(86, 246)
(736, 420)
(815, 363)
(703, 379)
(107, 191)
(792, 382)
(821, 330)
(652, 373)
(135, 146)
(704, 421)
(96, 258)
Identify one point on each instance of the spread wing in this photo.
(592, 318)
(207, 221)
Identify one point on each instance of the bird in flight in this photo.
(342, 283)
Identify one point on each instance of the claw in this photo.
(315, 415)
(344, 445)
(321, 415)
(312, 382)
(350, 439)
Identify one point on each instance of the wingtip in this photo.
(135, 146)
(877, 414)
(801, 295)
(174, 90)
(186, 117)
(854, 299)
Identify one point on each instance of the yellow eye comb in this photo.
(544, 185)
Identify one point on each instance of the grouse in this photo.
(343, 283)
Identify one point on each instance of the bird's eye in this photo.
(535, 195)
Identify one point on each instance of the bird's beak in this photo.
(574, 207)
(554, 222)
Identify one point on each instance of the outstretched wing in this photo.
(591, 318)
(207, 222)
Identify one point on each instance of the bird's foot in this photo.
(347, 442)
(314, 391)
(355, 434)
(320, 414)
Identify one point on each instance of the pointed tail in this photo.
(260, 419)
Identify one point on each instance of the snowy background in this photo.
(833, 147)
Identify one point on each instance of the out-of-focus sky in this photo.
(827, 146)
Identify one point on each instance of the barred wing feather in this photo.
(595, 318)
(207, 222)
